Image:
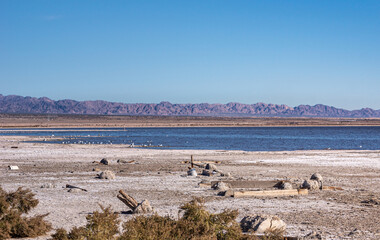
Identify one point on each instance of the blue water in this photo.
(246, 138)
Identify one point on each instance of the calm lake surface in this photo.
(245, 138)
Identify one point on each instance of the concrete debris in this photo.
(104, 161)
(262, 223)
(13, 168)
(312, 185)
(107, 175)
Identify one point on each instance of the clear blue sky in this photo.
(283, 52)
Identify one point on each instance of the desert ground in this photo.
(160, 176)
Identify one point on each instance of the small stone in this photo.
(122, 161)
(221, 186)
(96, 169)
(104, 161)
(192, 172)
(211, 166)
(228, 175)
(312, 185)
(206, 173)
(286, 186)
(262, 223)
(317, 177)
(48, 185)
(107, 175)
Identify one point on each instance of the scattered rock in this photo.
(221, 186)
(206, 173)
(211, 166)
(285, 186)
(228, 175)
(371, 202)
(262, 223)
(107, 175)
(228, 193)
(192, 172)
(312, 185)
(104, 161)
(313, 235)
(143, 207)
(48, 185)
(96, 169)
(13, 168)
(317, 177)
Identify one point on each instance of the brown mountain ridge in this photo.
(43, 105)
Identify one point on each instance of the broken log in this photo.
(127, 200)
(271, 193)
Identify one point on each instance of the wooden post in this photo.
(192, 162)
(128, 200)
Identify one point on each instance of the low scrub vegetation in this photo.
(196, 223)
(13, 224)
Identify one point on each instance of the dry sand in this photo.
(160, 177)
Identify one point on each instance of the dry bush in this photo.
(100, 226)
(12, 224)
(196, 224)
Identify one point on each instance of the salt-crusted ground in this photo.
(160, 177)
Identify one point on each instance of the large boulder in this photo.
(107, 175)
(262, 223)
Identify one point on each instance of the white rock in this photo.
(107, 175)
(262, 223)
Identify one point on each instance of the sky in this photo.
(215, 51)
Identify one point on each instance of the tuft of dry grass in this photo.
(12, 222)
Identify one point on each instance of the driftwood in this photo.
(271, 193)
(127, 200)
(71, 186)
(143, 207)
(249, 184)
(331, 188)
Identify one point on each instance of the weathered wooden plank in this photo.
(249, 183)
(331, 188)
(271, 193)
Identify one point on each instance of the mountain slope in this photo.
(19, 104)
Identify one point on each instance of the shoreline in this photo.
(160, 176)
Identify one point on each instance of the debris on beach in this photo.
(207, 173)
(107, 174)
(142, 207)
(192, 172)
(13, 168)
(210, 166)
(124, 161)
(104, 161)
(221, 186)
(48, 185)
(285, 185)
(312, 185)
(75, 187)
(96, 170)
(262, 223)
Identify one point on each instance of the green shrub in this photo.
(12, 224)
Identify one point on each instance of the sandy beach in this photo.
(160, 176)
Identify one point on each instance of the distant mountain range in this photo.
(19, 104)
